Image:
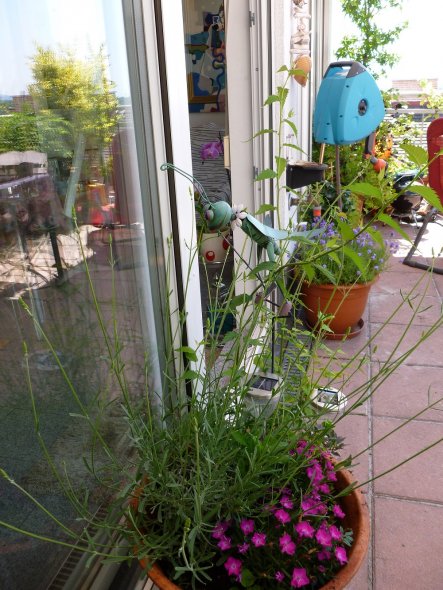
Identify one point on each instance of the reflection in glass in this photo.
(67, 159)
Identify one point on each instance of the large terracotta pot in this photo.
(357, 519)
(346, 303)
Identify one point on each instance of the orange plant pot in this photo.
(346, 305)
(357, 519)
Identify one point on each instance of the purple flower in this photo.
(323, 555)
(220, 529)
(324, 488)
(314, 472)
(287, 545)
(338, 512)
(211, 150)
(282, 516)
(259, 539)
(305, 529)
(279, 576)
(340, 554)
(331, 476)
(247, 526)
(233, 567)
(287, 503)
(335, 533)
(225, 543)
(323, 536)
(299, 577)
(243, 548)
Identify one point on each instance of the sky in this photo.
(82, 25)
(419, 44)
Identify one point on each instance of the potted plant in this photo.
(338, 274)
(210, 492)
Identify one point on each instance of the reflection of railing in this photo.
(416, 130)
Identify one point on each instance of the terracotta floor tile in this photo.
(422, 477)
(408, 544)
(416, 281)
(402, 308)
(428, 353)
(408, 391)
(355, 430)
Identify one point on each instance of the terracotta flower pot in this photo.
(346, 303)
(357, 519)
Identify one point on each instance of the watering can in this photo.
(349, 104)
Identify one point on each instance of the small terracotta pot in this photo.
(357, 519)
(346, 303)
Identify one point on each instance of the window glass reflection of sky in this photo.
(83, 26)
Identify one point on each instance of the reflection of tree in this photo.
(79, 93)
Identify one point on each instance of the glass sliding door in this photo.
(74, 210)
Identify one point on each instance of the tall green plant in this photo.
(372, 45)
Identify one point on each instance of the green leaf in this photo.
(292, 125)
(229, 336)
(429, 194)
(326, 272)
(272, 98)
(265, 265)
(263, 132)
(240, 300)
(247, 578)
(282, 68)
(356, 259)
(282, 94)
(190, 375)
(265, 174)
(281, 165)
(189, 352)
(416, 153)
(387, 220)
(293, 146)
(345, 230)
(309, 271)
(265, 208)
(365, 189)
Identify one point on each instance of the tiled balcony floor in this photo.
(406, 506)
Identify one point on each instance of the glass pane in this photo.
(69, 194)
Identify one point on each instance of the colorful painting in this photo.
(205, 55)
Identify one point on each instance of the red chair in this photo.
(435, 181)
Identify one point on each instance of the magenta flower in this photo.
(220, 529)
(211, 150)
(247, 526)
(279, 576)
(259, 539)
(324, 488)
(323, 555)
(314, 472)
(282, 516)
(335, 533)
(233, 567)
(338, 512)
(299, 577)
(331, 475)
(305, 529)
(287, 545)
(287, 503)
(340, 554)
(323, 537)
(225, 543)
(243, 548)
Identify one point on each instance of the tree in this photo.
(371, 45)
(78, 92)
